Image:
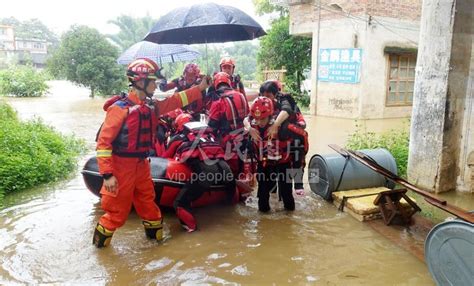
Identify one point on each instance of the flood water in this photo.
(46, 233)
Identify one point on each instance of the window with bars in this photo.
(401, 79)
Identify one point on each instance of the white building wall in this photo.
(375, 68)
(365, 99)
(7, 38)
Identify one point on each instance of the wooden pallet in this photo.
(363, 208)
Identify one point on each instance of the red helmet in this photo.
(221, 77)
(173, 114)
(143, 69)
(192, 69)
(227, 61)
(182, 119)
(261, 108)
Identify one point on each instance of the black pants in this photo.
(271, 177)
(205, 176)
(298, 161)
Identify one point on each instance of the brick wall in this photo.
(305, 15)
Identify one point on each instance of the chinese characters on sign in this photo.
(340, 65)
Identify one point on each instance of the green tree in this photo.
(132, 30)
(86, 57)
(278, 48)
(33, 152)
(23, 81)
(214, 55)
(263, 7)
(245, 55)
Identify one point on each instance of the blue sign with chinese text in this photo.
(340, 65)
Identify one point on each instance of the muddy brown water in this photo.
(45, 233)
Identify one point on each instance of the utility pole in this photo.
(317, 60)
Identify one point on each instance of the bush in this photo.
(23, 81)
(303, 99)
(33, 153)
(395, 141)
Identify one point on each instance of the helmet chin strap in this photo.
(146, 82)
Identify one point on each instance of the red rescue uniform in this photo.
(226, 117)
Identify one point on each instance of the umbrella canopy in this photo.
(204, 23)
(159, 53)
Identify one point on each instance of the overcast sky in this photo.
(59, 15)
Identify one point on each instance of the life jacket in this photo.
(270, 152)
(300, 119)
(236, 108)
(135, 138)
(113, 99)
(299, 131)
(196, 141)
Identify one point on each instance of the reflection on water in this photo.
(45, 234)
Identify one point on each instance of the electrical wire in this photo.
(363, 19)
(388, 29)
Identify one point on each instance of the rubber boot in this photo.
(154, 229)
(187, 220)
(102, 236)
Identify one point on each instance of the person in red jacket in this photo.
(177, 137)
(198, 148)
(226, 117)
(227, 65)
(273, 158)
(123, 145)
(289, 124)
(191, 77)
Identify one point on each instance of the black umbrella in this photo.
(204, 23)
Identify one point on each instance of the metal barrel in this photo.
(449, 253)
(325, 172)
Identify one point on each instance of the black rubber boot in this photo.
(102, 236)
(154, 229)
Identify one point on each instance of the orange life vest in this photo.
(136, 134)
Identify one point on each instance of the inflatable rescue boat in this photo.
(169, 176)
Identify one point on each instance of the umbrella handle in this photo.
(207, 60)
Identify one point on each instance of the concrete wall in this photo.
(365, 100)
(336, 99)
(441, 95)
(466, 164)
(375, 67)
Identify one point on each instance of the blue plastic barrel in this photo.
(449, 253)
(324, 172)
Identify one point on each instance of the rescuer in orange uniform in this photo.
(123, 144)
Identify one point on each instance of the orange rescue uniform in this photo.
(133, 174)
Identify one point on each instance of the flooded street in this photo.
(46, 233)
